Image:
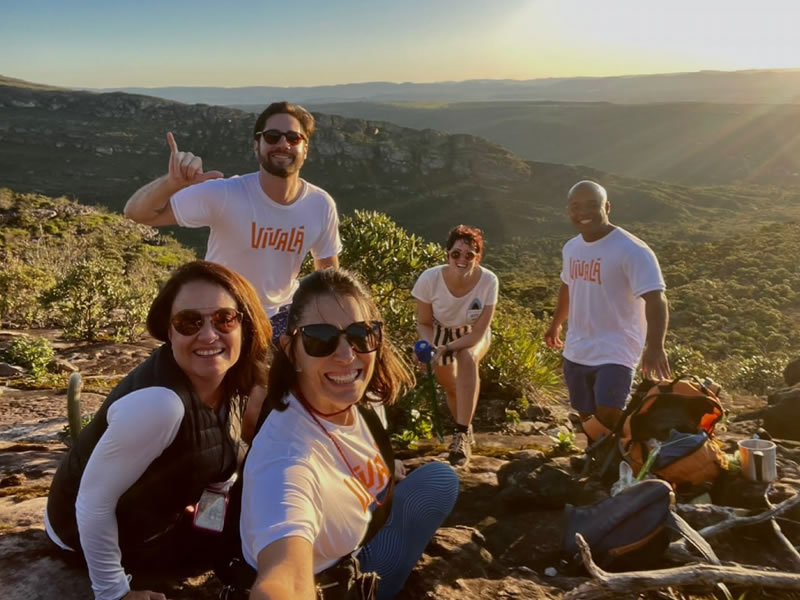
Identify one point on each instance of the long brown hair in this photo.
(252, 366)
(391, 376)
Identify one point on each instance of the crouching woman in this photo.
(318, 489)
(163, 435)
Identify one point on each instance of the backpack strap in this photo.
(384, 442)
(677, 524)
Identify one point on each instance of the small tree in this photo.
(86, 296)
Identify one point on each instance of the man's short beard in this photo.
(277, 171)
(281, 172)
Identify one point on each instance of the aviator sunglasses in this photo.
(322, 339)
(456, 254)
(273, 136)
(189, 322)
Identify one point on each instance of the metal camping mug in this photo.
(757, 458)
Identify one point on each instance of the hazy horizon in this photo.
(248, 43)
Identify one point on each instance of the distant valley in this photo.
(101, 147)
(780, 86)
(687, 143)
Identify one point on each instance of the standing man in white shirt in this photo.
(612, 294)
(263, 224)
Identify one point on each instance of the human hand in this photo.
(552, 337)
(655, 364)
(185, 168)
(399, 470)
(438, 353)
(143, 595)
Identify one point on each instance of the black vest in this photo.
(201, 453)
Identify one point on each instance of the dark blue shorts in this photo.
(604, 385)
(280, 322)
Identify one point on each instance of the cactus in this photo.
(74, 404)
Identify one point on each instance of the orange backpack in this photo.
(680, 415)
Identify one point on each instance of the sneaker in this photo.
(460, 450)
(471, 436)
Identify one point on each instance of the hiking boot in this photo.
(460, 450)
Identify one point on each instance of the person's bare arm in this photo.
(654, 358)
(150, 205)
(425, 321)
(285, 571)
(473, 337)
(552, 336)
(324, 263)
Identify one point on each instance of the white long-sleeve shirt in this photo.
(141, 425)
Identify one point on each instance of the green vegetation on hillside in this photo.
(734, 300)
(94, 274)
(80, 268)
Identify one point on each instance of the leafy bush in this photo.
(759, 374)
(31, 353)
(519, 363)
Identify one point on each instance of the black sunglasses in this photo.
(322, 339)
(456, 254)
(273, 136)
(189, 322)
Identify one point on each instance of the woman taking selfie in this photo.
(318, 484)
(162, 438)
(455, 307)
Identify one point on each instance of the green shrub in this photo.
(86, 295)
(759, 374)
(519, 363)
(34, 354)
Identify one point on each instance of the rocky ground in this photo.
(502, 541)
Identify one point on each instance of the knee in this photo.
(442, 479)
(466, 359)
(608, 415)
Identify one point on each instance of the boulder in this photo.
(7, 370)
(791, 374)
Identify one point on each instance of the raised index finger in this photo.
(173, 146)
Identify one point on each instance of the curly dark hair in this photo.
(471, 235)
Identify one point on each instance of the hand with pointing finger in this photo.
(185, 168)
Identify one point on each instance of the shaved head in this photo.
(587, 188)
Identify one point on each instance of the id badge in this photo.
(209, 513)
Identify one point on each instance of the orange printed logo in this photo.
(279, 239)
(586, 270)
(368, 481)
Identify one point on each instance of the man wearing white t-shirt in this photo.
(262, 224)
(612, 294)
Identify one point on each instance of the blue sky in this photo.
(313, 42)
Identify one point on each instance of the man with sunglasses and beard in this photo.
(262, 224)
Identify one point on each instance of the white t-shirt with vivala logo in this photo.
(606, 280)
(452, 311)
(262, 240)
(298, 484)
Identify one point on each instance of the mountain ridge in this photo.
(102, 147)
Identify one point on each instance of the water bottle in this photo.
(424, 351)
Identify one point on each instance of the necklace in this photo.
(314, 412)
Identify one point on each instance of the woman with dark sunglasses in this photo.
(318, 488)
(455, 307)
(165, 438)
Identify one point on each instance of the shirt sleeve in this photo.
(644, 272)
(200, 205)
(564, 273)
(492, 291)
(329, 243)
(141, 425)
(281, 498)
(423, 289)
